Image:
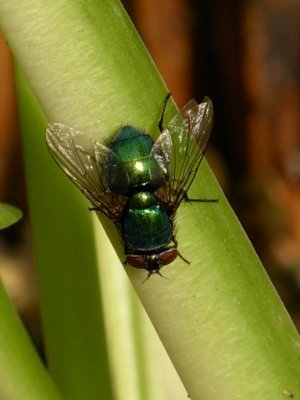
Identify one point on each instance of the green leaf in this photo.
(22, 374)
(66, 266)
(9, 215)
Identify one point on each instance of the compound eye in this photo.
(136, 261)
(168, 256)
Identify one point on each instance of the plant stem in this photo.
(22, 375)
(220, 319)
(66, 267)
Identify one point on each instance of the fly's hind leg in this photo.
(188, 200)
(161, 119)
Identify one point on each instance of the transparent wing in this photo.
(180, 148)
(83, 160)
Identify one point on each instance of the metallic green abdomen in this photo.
(146, 225)
(136, 169)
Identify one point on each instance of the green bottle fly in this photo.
(136, 181)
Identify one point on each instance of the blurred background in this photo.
(244, 54)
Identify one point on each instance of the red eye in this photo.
(137, 261)
(152, 262)
(168, 256)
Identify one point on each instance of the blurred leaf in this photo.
(9, 215)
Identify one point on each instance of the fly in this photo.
(136, 181)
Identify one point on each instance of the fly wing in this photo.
(180, 148)
(83, 160)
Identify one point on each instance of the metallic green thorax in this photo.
(136, 170)
(145, 224)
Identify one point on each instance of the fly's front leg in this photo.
(174, 240)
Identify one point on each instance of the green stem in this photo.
(22, 375)
(219, 318)
(66, 267)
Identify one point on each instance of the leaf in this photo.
(9, 215)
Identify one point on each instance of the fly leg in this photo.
(188, 200)
(183, 259)
(176, 245)
(94, 209)
(161, 119)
